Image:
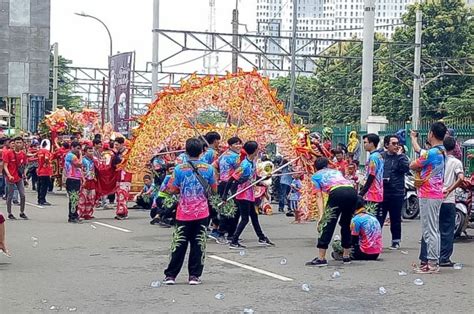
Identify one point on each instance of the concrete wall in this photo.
(24, 47)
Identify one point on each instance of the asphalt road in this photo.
(92, 268)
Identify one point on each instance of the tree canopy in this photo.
(332, 94)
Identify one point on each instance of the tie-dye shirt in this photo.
(72, 166)
(374, 166)
(209, 156)
(369, 231)
(88, 168)
(182, 158)
(326, 179)
(226, 164)
(164, 185)
(192, 203)
(245, 174)
(431, 163)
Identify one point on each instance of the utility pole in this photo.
(154, 63)
(235, 38)
(102, 115)
(367, 62)
(416, 71)
(291, 108)
(55, 75)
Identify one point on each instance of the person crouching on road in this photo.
(341, 202)
(366, 235)
(190, 179)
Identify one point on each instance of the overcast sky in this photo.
(85, 41)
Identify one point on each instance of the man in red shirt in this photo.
(44, 171)
(14, 162)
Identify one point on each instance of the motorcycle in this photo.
(411, 205)
(464, 208)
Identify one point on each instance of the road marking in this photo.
(112, 227)
(31, 204)
(257, 270)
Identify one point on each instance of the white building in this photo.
(322, 19)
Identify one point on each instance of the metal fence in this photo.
(464, 130)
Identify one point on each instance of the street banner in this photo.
(120, 71)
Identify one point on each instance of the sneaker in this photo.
(222, 240)
(346, 260)
(169, 280)
(447, 264)
(154, 221)
(317, 262)
(427, 269)
(22, 215)
(265, 242)
(290, 214)
(236, 246)
(15, 202)
(10, 216)
(281, 210)
(214, 235)
(46, 204)
(118, 217)
(336, 256)
(395, 246)
(74, 221)
(194, 280)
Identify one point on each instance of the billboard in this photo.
(118, 103)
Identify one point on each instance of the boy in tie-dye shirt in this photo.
(191, 215)
(245, 175)
(210, 156)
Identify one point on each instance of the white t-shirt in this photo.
(451, 172)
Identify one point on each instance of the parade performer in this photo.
(58, 157)
(211, 154)
(227, 163)
(124, 181)
(192, 214)
(44, 171)
(72, 167)
(87, 194)
(353, 146)
(341, 202)
(244, 175)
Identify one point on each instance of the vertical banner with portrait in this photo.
(120, 72)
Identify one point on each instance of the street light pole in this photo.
(103, 24)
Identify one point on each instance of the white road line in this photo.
(257, 270)
(31, 204)
(112, 227)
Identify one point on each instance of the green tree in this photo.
(332, 94)
(461, 106)
(66, 99)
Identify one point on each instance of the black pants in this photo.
(142, 203)
(227, 224)
(194, 233)
(43, 185)
(246, 209)
(72, 187)
(357, 254)
(111, 198)
(341, 202)
(392, 205)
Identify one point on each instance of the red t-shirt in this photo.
(15, 160)
(44, 163)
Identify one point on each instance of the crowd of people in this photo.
(179, 190)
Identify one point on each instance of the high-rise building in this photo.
(323, 19)
(24, 60)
